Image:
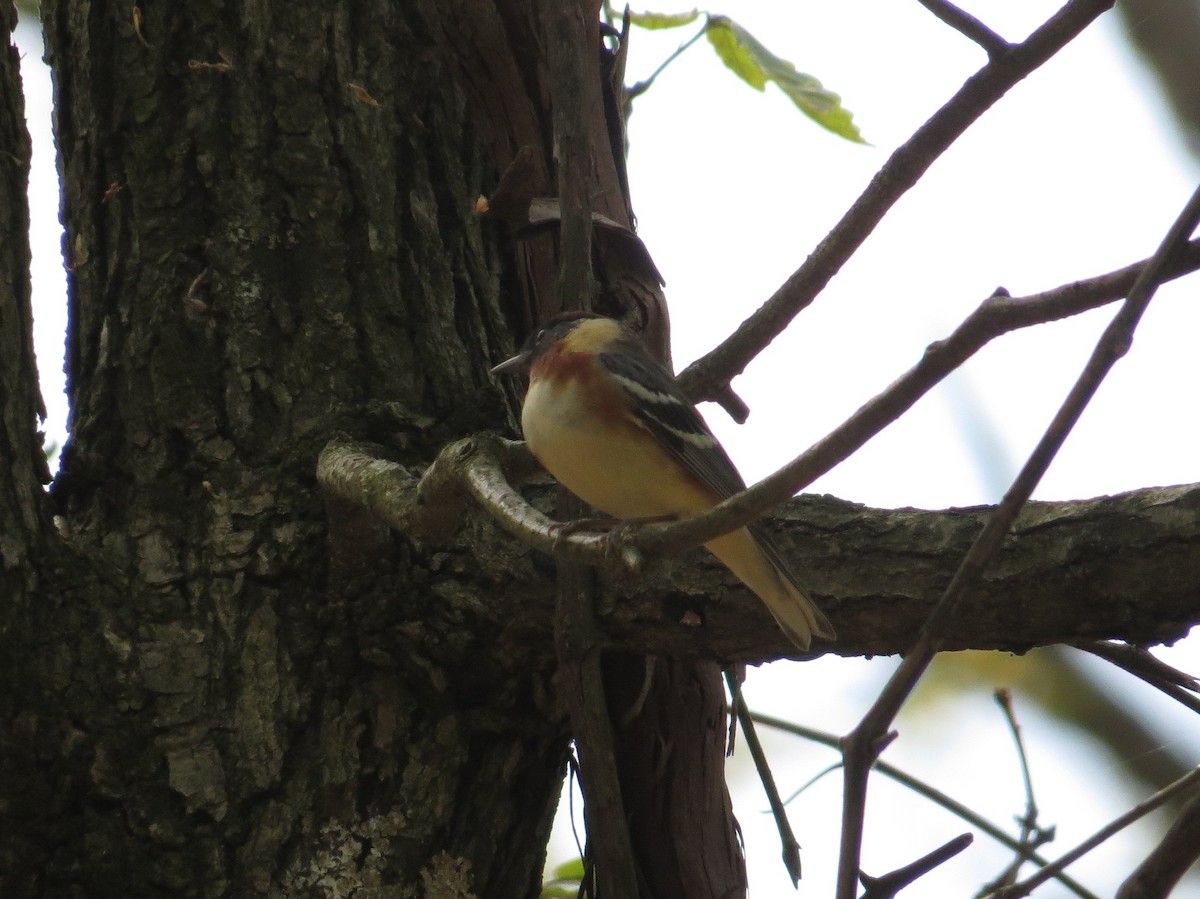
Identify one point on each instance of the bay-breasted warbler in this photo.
(614, 428)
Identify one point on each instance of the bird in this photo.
(612, 426)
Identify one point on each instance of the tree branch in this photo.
(705, 378)
(928, 791)
(486, 467)
(887, 886)
(1114, 343)
(1025, 887)
(1129, 559)
(967, 25)
(1179, 685)
(790, 851)
(997, 315)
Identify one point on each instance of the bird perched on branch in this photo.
(614, 428)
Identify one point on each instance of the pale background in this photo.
(1075, 173)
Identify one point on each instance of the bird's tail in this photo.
(751, 555)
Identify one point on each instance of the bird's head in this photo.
(568, 332)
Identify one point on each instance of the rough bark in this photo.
(22, 519)
(24, 524)
(1123, 567)
(228, 688)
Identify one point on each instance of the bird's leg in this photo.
(617, 528)
(615, 539)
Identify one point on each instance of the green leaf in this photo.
(564, 884)
(756, 65)
(722, 35)
(656, 21)
(570, 870)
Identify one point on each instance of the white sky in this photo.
(1072, 175)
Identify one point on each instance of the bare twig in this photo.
(1025, 887)
(968, 25)
(430, 507)
(704, 378)
(1032, 836)
(791, 848)
(641, 87)
(860, 745)
(1179, 685)
(933, 794)
(887, 886)
(1004, 700)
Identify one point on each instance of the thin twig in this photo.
(860, 745)
(704, 378)
(1032, 836)
(787, 838)
(1025, 887)
(933, 794)
(641, 87)
(1004, 700)
(1179, 685)
(968, 25)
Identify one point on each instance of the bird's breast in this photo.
(586, 440)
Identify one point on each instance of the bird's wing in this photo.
(658, 405)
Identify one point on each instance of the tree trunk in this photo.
(226, 687)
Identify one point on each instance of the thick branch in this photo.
(1122, 567)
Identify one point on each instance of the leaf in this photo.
(570, 870)
(722, 35)
(565, 882)
(657, 21)
(756, 65)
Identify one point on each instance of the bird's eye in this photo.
(540, 334)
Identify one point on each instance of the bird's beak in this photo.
(508, 366)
